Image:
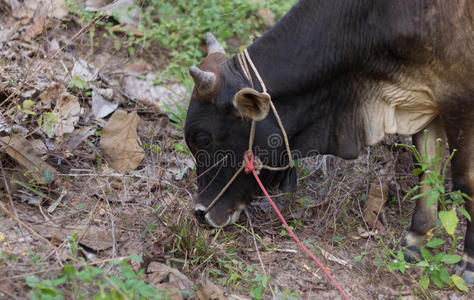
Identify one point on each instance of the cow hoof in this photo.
(412, 254)
(410, 246)
(468, 277)
(466, 271)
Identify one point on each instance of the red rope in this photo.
(251, 168)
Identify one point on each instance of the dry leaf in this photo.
(169, 291)
(84, 70)
(36, 29)
(38, 146)
(53, 46)
(364, 233)
(138, 67)
(11, 177)
(333, 258)
(22, 152)
(168, 279)
(78, 136)
(5, 35)
(67, 111)
(126, 28)
(124, 11)
(95, 5)
(101, 107)
(267, 257)
(211, 291)
(120, 141)
(92, 236)
(50, 95)
(376, 199)
(11, 4)
(145, 92)
(179, 168)
(44, 8)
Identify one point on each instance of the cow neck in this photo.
(245, 61)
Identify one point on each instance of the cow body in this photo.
(341, 74)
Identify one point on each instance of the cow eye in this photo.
(203, 140)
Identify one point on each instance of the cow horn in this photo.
(213, 45)
(204, 81)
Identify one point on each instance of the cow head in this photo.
(217, 130)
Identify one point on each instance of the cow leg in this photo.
(425, 217)
(461, 137)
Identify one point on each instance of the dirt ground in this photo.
(86, 201)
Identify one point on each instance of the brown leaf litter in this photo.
(120, 142)
(169, 280)
(67, 112)
(21, 150)
(46, 8)
(94, 237)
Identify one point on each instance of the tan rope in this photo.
(251, 135)
(280, 124)
(243, 58)
(285, 137)
(264, 88)
(224, 189)
(245, 67)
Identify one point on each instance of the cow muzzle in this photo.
(216, 218)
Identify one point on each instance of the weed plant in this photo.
(435, 258)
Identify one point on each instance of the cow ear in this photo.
(252, 104)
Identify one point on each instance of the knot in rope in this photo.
(252, 163)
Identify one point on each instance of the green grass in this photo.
(178, 27)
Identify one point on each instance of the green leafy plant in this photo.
(292, 224)
(46, 122)
(26, 107)
(286, 294)
(92, 282)
(256, 283)
(77, 82)
(435, 259)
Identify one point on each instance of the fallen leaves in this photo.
(21, 150)
(210, 290)
(120, 141)
(47, 8)
(143, 91)
(85, 71)
(102, 102)
(169, 280)
(67, 112)
(36, 29)
(92, 236)
(78, 136)
(376, 199)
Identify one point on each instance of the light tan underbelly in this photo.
(390, 108)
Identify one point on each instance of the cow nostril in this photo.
(200, 215)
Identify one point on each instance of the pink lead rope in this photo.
(250, 168)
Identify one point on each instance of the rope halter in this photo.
(250, 161)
